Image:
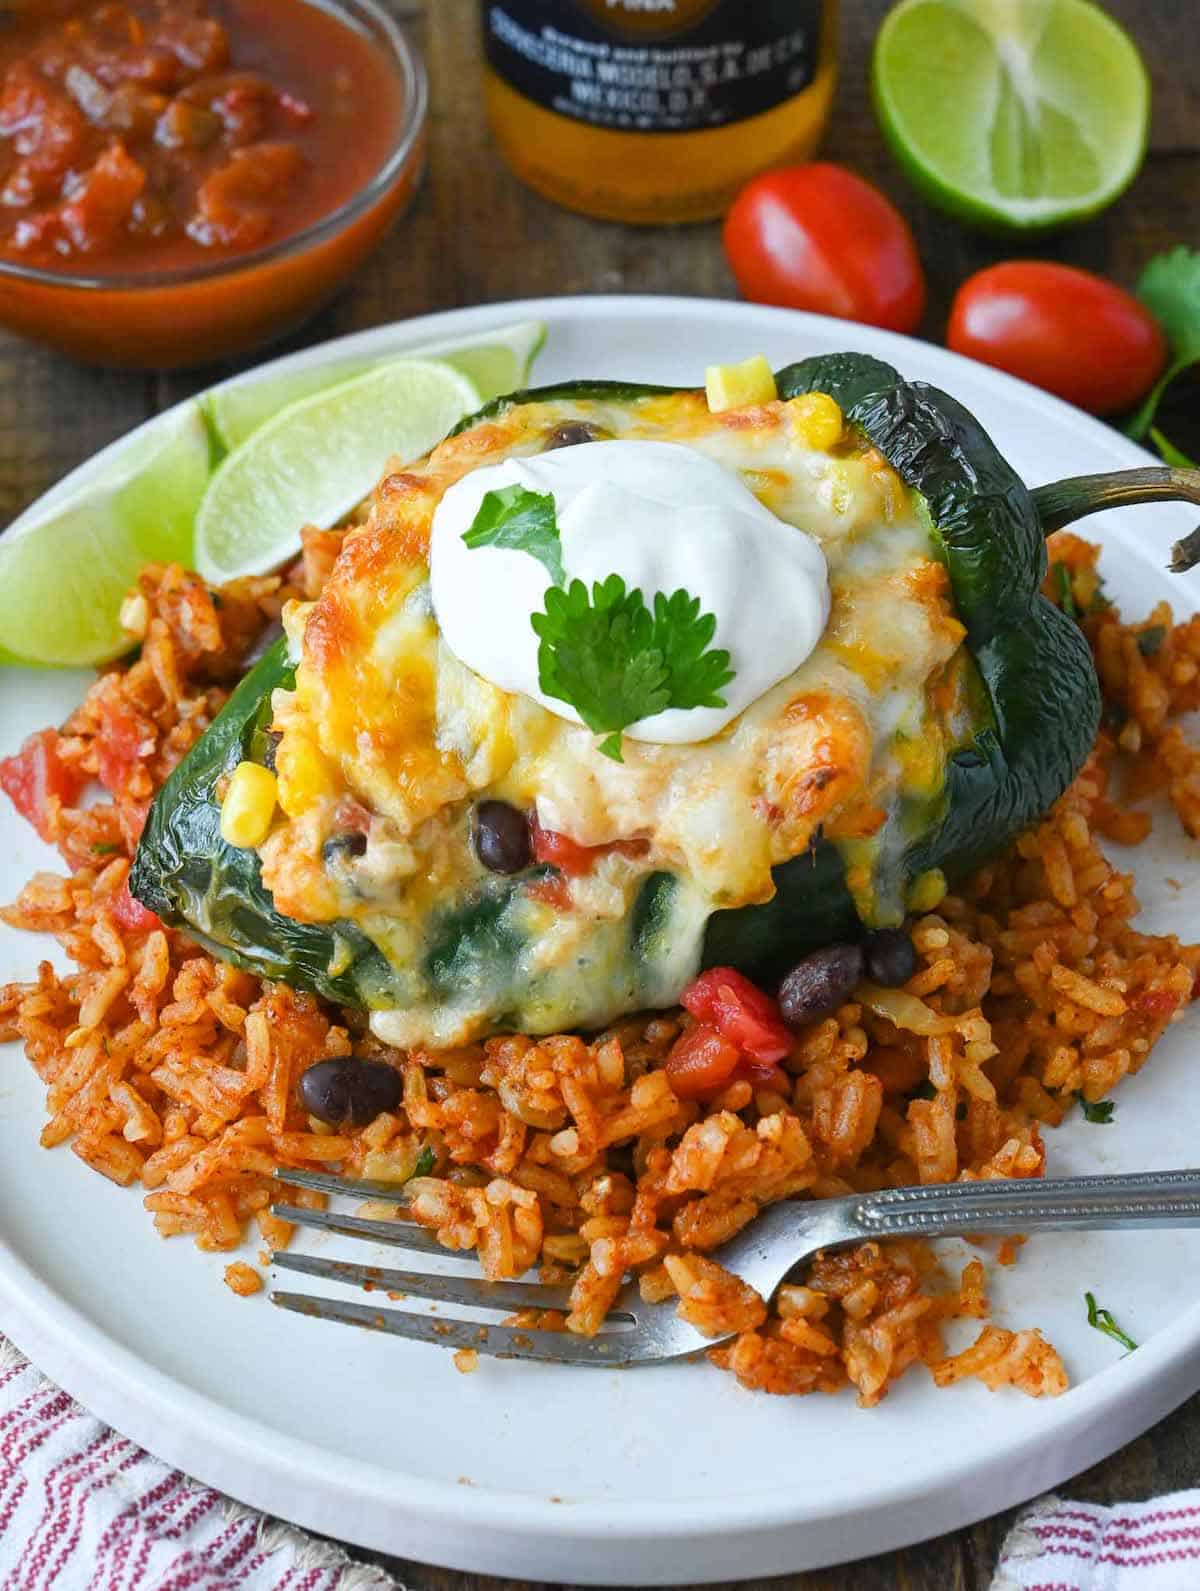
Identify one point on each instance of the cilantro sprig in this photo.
(615, 661)
(1099, 1112)
(604, 652)
(523, 521)
(1170, 289)
(1102, 1320)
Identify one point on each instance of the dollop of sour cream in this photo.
(662, 516)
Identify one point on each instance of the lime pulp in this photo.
(64, 572)
(317, 460)
(1013, 115)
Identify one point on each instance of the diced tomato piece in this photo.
(131, 816)
(560, 851)
(131, 914)
(1156, 1002)
(701, 1062)
(236, 204)
(35, 776)
(119, 746)
(741, 1012)
(47, 131)
(99, 207)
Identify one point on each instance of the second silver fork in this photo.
(781, 1238)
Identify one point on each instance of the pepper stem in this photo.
(1062, 502)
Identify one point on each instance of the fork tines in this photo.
(471, 1291)
(502, 1342)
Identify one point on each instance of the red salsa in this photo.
(150, 135)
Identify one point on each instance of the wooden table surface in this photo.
(474, 236)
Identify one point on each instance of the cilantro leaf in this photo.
(1102, 1320)
(1170, 289)
(426, 1161)
(1100, 1113)
(681, 633)
(607, 656)
(523, 521)
(1171, 455)
(597, 654)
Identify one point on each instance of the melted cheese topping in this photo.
(388, 734)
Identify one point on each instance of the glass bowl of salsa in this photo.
(183, 180)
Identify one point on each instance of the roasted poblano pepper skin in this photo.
(1034, 661)
(192, 878)
(1038, 724)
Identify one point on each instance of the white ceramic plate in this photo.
(635, 1477)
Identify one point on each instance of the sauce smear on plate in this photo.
(151, 135)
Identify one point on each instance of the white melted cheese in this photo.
(665, 518)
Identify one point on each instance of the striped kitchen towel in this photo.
(1057, 1545)
(82, 1509)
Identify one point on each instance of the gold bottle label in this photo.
(654, 66)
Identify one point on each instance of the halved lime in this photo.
(1014, 115)
(317, 459)
(497, 362)
(65, 568)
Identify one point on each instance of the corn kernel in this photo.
(816, 420)
(927, 890)
(249, 806)
(303, 778)
(134, 614)
(735, 386)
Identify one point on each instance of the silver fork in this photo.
(764, 1254)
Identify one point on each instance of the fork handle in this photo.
(1143, 1199)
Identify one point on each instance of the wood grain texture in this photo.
(476, 236)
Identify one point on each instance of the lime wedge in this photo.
(65, 568)
(497, 362)
(317, 459)
(1013, 115)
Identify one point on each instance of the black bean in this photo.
(502, 840)
(346, 1090)
(890, 957)
(820, 983)
(571, 433)
(343, 846)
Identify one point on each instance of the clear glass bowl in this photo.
(192, 315)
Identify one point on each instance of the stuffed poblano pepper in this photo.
(621, 682)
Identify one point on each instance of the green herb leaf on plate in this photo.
(1170, 289)
(522, 521)
(426, 1161)
(1103, 1321)
(1100, 1113)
